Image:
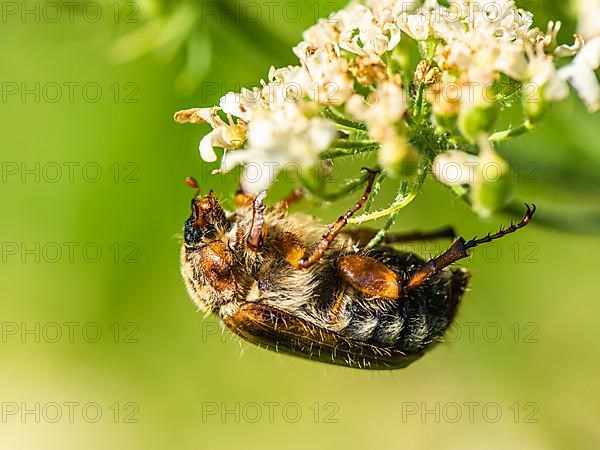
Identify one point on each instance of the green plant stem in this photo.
(402, 200)
(381, 233)
(375, 191)
(342, 147)
(512, 132)
(418, 107)
(344, 121)
(318, 189)
(405, 195)
(352, 144)
(462, 192)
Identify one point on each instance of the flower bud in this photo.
(455, 168)
(398, 157)
(534, 102)
(492, 187)
(477, 120)
(444, 122)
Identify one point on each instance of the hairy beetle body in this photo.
(264, 299)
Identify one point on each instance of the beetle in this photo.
(276, 280)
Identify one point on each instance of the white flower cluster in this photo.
(356, 65)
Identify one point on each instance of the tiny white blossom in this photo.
(363, 33)
(275, 140)
(581, 74)
(544, 78)
(240, 105)
(225, 135)
(386, 105)
(327, 79)
(588, 12)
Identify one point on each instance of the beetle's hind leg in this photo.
(458, 251)
(375, 279)
(363, 236)
(291, 199)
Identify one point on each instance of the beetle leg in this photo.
(193, 183)
(258, 229)
(293, 197)
(336, 228)
(458, 251)
(369, 276)
(364, 235)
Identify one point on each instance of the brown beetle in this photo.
(276, 280)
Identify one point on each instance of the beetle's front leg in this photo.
(293, 249)
(307, 261)
(258, 229)
(292, 198)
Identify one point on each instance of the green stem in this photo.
(462, 193)
(318, 189)
(402, 200)
(418, 107)
(350, 130)
(347, 143)
(375, 191)
(381, 233)
(405, 195)
(512, 132)
(342, 120)
(341, 152)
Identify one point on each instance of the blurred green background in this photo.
(92, 161)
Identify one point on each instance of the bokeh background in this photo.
(95, 318)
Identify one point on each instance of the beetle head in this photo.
(207, 218)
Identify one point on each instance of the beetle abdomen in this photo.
(278, 330)
(413, 321)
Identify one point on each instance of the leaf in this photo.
(198, 62)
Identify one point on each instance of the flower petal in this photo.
(258, 176)
(207, 153)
